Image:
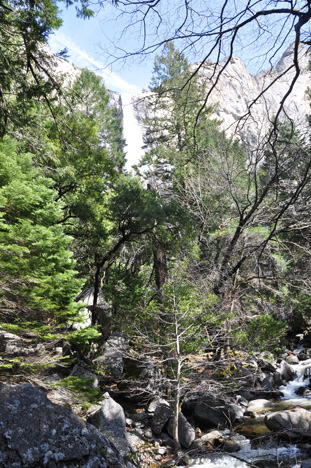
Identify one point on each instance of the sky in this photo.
(89, 43)
(86, 41)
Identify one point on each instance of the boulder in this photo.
(109, 418)
(230, 446)
(186, 433)
(301, 391)
(259, 405)
(266, 365)
(152, 406)
(286, 371)
(235, 413)
(303, 356)
(111, 361)
(209, 413)
(36, 432)
(162, 414)
(267, 383)
(292, 423)
(189, 402)
(277, 379)
(14, 345)
(292, 359)
(151, 377)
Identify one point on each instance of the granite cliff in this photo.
(246, 104)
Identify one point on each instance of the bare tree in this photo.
(168, 334)
(257, 31)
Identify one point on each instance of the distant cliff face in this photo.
(246, 104)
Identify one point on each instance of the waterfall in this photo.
(300, 380)
(133, 132)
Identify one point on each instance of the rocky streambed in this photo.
(277, 431)
(265, 422)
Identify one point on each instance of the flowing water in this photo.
(132, 132)
(271, 453)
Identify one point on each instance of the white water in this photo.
(286, 455)
(300, 380)
(132, 132)
(236, 460)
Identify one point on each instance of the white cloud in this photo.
(82, 59)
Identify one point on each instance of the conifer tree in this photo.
(37, 270)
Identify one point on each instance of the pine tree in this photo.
(37, 269)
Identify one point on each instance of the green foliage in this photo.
(263, 333)
(84, 338)
(82, 389)
(43, 331)
(169, 68)
(37, 269)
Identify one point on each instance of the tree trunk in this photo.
(176, 408)
(95, 296)
(160, 267)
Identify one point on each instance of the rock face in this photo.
(237, 89)
(246, 104)
(36, 432)
(112, 359)
(109, 418)
(293, 423)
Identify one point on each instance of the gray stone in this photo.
(242, 401)
(103, 309)
(166, 440)
(109, 418)
(211, 437)
(82, 371)
(259, 405)
(151, 377)
(286, 372)
(111, 360)
(230, 446)
(162, 450)
(293, 423)
(148, 434)
(9, 339)
(277, 379)
(302, 391)
(161, 416)
(306, 464)
(209, 413)
(250, 414)
(196, 444)
(292, 359)
(235, 413)
(15, 345)
(186, 433)
(266, 365)
(143, 416)
(36, 432)
(266, 355)
(267, 384)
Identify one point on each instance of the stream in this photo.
(270, 452)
